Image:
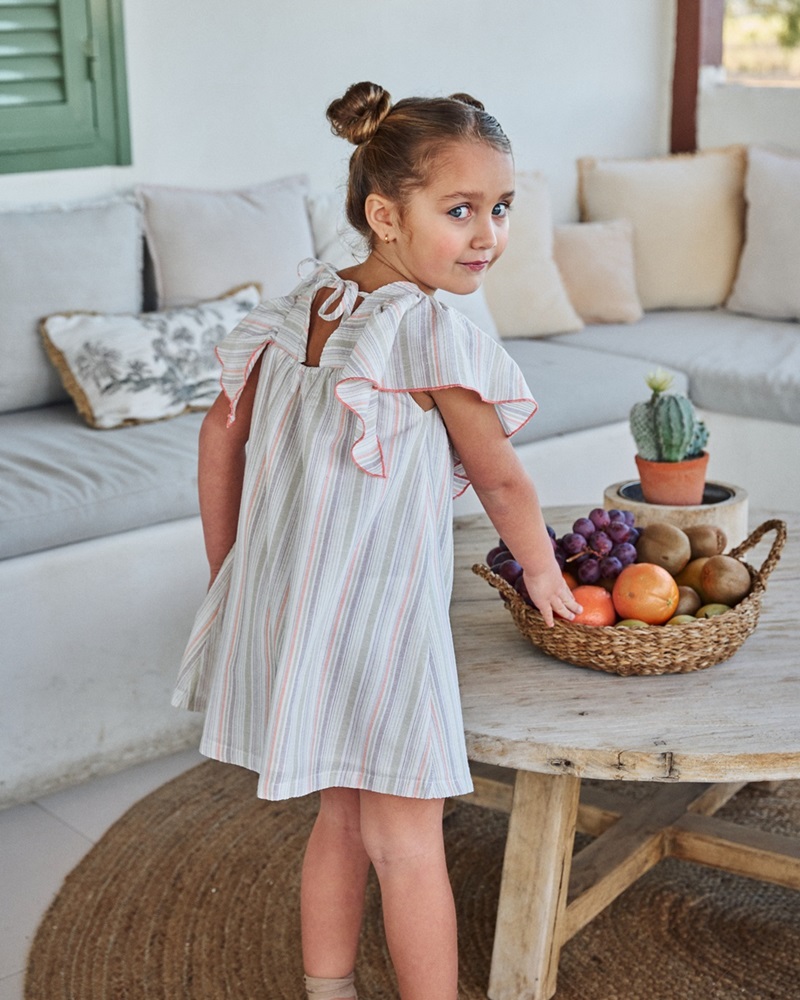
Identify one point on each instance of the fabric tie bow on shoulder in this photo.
(344, 297)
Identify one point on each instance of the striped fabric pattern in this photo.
(322, 654)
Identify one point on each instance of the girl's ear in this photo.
(382, 215)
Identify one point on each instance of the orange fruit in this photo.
(570, 579)
(647, 592)
(598, 608)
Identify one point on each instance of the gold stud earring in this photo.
(385, 237)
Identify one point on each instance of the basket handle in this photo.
(769, 564)
(505, 588)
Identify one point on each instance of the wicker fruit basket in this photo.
(652, 649)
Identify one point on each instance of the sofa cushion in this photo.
(335, 240)
(595, 260)
(524, 290)
(577, 389)
(736, 364)
(205, 242)
(768, 282)
(687, 213)
(62, 482)
(474, 306)
(58, 258)
(128, 369)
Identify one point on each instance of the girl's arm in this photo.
(220, 474)
(508, 496)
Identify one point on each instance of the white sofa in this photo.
(102, 560)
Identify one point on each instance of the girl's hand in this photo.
(551, 595)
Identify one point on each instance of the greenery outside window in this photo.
(761, 42)
(63, 92)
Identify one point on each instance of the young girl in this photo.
(322, 652)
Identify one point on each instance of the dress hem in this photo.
(340, 778)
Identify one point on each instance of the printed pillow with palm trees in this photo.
(130, 369)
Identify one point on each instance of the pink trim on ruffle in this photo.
(369, 466)
(247, 371)
(358, 445)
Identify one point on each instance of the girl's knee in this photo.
(341, 808)
(344, 802)
(401, 830)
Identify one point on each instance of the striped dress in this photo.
(322, 654)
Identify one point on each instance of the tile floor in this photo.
(42, 841)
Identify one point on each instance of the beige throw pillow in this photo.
(595, 260)
(524, 290)
(132, 369)
(201, 241)
(768, 282)
(687, 213)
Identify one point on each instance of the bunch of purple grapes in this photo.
(599, 546)
(501, 561)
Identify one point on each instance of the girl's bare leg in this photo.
(333, 884)
(404, 840)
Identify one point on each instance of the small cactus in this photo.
(666, 428)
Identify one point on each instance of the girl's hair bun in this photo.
(357, 115)
(467, 99)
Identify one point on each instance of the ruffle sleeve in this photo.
(244, 345)
(414, 343)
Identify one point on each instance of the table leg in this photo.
(533, 889)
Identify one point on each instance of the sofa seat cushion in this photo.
(577, 389)
(62, 482)
(741, 365)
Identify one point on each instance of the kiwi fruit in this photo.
(706, 540)
(724, 580)
(691, 573)
(688, 601)
(665, 545)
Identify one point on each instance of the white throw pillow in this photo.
(202, 242)
(335, 240)
(768, 282)
(687, 212)
(59, 257)
(524, 290)
(595, 260)
(131, 369)
(475, 307)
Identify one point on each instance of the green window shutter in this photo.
(63, 95)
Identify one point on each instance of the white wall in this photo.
(731, 113)
(223, 94)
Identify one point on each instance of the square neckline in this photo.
(340, 285)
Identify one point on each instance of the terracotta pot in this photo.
(678, 484)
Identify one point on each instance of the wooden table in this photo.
(535, 727)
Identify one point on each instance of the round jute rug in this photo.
(193, 895)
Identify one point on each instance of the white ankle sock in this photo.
(318, 988)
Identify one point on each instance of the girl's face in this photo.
(450, 232)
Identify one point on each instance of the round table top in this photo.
(737, 720)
